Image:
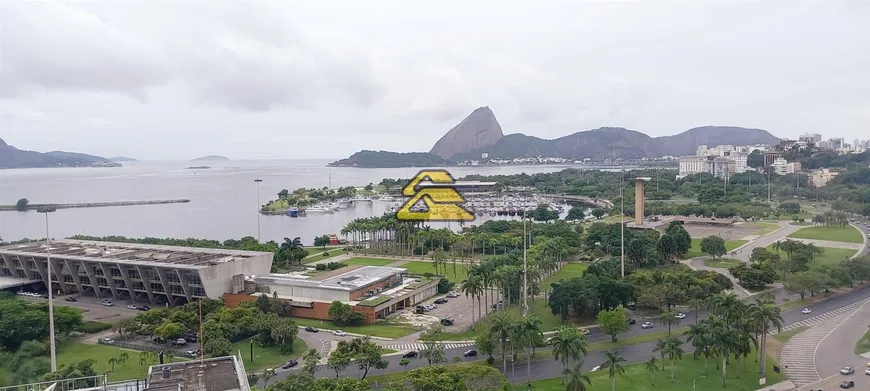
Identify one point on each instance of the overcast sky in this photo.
(163, 79)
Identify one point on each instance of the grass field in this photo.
(369, 261)
(385, 330)
(786, 335)
(423, 267)
(568, 272)
(723, 263)
(863, 345)
(549, 321)
(266, 357)
(762, 228)
(837, 234)
(695, 250)
(637, 378)
(829, 256)
(69, 353)
(644, 338)
(317, 254)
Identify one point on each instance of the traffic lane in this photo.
(827, 305)
(836, 350)
(865, 231)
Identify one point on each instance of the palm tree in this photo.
(123, 358)
(613, 365)
(652, 366)
(568, 344)
(661, 347)
(727, 305)
(674, 351)
(577, 380)
(530, 332)
(698, 336)
(473, 287)
(112, 362)
(765, 315)
(501, 329)
(669, 318)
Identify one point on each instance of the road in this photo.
(547, 368)
(835, 350)
(862, 225)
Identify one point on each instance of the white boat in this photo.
(386, 198)
(360, 198)
(318, 209)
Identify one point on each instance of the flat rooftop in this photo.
(349, 280)
(133, 253)
(214, 374)
(458, 183)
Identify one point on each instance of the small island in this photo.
(210, 158)
(198, 168)
(123, 159)
(385, 159)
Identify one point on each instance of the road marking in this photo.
(420, 346)
(832, 330)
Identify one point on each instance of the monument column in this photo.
(639, 184)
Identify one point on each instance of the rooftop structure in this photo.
(140, 272)
(349, 280)
(214, 374)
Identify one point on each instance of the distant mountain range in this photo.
(481, 133)
(11, 157)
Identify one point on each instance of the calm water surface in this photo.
(223, 200)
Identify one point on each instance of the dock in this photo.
(7, 208)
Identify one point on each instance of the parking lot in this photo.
(458, 308)
(94, 310)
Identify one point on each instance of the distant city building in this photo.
(484, 155)
(812, 138)
(690, 165)
(783, 167)
(821, 177)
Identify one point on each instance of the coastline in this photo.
(13, 208)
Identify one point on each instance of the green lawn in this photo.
(695, 250)
(568, 272)
(266, 357)
(762, 228)
(786, 335)
(69, 353)
(369, 261)
(863, 345)
(385, 330)
(723, 263)
(423, 267)
(637, 339)
(829, 256)
(317, 254)
(837, 234)
(637, 378)
(549, 321)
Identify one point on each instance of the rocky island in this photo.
(210, 158)
(123, 159)
(11, 157)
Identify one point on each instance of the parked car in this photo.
(179, 342)
(470, 353)
(191, 337)
(453, 294)
(143, 308)
(806, 311)
(440, 300)
(680, 315)
(646, 325)
(847, 370)
(339, 333)
(867, 372)
(847, 384)
(192, 353)
(311, 329)
(132, 307)
(447, 322)
(290, 364)
(410, 354)
(107, 303)
(632, 321)
(107, 341)
(71, 299)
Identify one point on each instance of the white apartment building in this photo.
(783, 167)
(813, 138)
(690, 165)
(821, 177)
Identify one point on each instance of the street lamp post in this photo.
(51, 341)
(695, 379)
(525, 269)
(258, 181)
(622, 223)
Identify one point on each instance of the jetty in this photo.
(4, 208)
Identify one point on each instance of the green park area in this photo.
(380, 329)
(829, 256)
(568, 272)
(369, 261)
(761, 228)
(637, 378)
(266, 357)
(131, 366)
(455, 273)
(318, 255)
(539, 307)
(837, 234)
(695, 250)
(863, 345)
(724, 263)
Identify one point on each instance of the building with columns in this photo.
(139, 272)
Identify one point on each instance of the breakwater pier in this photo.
(5, 208)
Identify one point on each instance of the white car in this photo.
(339, 333)
(646, 325)
(680, 315)
(806, 311)
(132, 307)
(107, 303)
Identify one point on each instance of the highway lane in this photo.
(548, 368)
(862, 226)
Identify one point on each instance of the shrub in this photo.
(91, 327)
(326, 253)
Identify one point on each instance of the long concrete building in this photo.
(144, 273)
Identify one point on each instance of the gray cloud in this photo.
(118, 77)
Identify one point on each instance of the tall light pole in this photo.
(768, 184)
(51, 342)
(258, 181)
(622, 222)
(525, 269)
